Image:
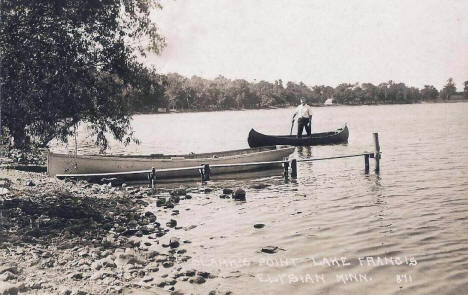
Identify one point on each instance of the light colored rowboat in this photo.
(168, 166)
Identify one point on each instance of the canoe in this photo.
(257, 139)
(167, 166)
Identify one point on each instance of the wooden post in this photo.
(366, 163)
(377, 152)
(200, 170)
(294, 168)
(286, 169)
(206, 172)
(151, 177)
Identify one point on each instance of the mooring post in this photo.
(206, 172)
(150, 178)
(294, 168)
(153, 177)
(200, 170)
(286, 169)
(366, 163)
(377, 152)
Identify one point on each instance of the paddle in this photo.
(292, 125)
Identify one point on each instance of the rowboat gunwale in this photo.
(168, 158)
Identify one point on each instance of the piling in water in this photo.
(366, 163)
(294, 168)
(377, 152)
(286, 169)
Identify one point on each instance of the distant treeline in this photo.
(177, 92)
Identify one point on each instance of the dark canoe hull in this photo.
(257, 139)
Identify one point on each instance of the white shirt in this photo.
(303, 111)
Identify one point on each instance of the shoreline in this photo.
(74, 237)
(438, 101)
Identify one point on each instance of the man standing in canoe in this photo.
(304, 119)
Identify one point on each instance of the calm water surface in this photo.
(414, 214)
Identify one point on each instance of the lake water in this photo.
(404, 231)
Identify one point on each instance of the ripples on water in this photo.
(416, 208)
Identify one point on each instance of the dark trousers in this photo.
(301, 123)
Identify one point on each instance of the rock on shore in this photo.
(73, 237)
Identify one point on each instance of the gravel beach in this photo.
(69, 237)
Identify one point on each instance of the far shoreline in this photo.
(173, 111)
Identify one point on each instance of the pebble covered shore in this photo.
(75, 237)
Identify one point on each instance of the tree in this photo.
(201, 97)
(429, 92)
(67, 61)
(213, 92)
(465, 90)
(382, 92)
(179, 92)
(151, 95)
(448, 90)
(239, 90)
(321, 93)
(294, 92)
(268, 94)
(344, 93)
(370, 92)
(358, 95)
(399, 93)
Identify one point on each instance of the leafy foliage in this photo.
(429, 92)
(448, 90)
(67, 61)
(465, 89)
(221, 93)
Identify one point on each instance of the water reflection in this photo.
(304, 152)
(344, 208)
(375, 180)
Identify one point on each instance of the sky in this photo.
(329, 42)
